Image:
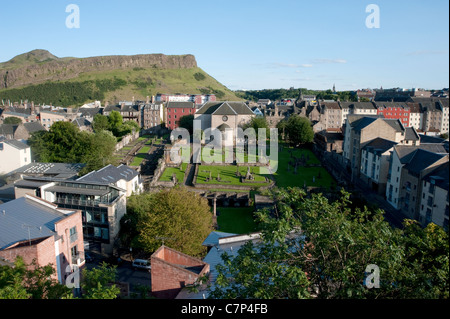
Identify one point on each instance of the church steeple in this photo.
(334, 88)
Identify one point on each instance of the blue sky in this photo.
(249, 44)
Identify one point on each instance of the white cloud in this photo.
(328, 61)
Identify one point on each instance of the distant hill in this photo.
(42, 77)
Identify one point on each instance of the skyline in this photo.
(251, 45)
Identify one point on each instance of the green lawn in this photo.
(236, 220)
(311, 176)
(228, 175)
(140, 156)
(221, 158)
(166, 176)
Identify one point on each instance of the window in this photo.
(74, 252)
(430, 201)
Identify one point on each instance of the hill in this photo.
(41, 77)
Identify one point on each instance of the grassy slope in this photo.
(149, 81)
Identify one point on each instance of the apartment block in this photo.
(434, 202)
(102, 205)
(375, 159)
(409, 165)
(38, 230)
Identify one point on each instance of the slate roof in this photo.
(21, 215)
(363, 122)
(183, 105)
(110, 174)
(225, 109)
(428, 139)
(8, 129)
(32, 127)
(411, 134)
(420, 160)
(118, 108)
(58, 169)
(80, 122)
(379, 144)
(440, 176)
(395, 124)
(16, 144)
(358, 105)
(391, 104)
(237, 107)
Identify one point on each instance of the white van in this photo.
(141, 264)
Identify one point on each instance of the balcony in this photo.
(83, 202)
(78, 259)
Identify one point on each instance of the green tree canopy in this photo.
(115, 120)
(38, 282)
(168, 213)
(187, 122)
(298, 130)
(100, 123)
(98, 283)
(316, 248)
(257, 123)
(12, 120)
(65, 143)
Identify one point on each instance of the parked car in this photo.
(141, 264)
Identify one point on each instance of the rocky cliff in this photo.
(39, 66)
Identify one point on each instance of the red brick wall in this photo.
(63, 229)
(44, 251)
(168, 278)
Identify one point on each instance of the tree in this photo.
(100, 123)
(181, 216)
(187, 122)
(281, 126)
(99, 149)
(115, 120)
(12, 120)
(62, 144)
(35, 282)
(65, 143)
(98, 283)
(314, 247)
(257, 123)
(299, 130)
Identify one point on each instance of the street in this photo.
(126, 274)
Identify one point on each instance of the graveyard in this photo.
(301, 168)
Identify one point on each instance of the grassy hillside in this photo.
(143, 82)
(42, 77)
